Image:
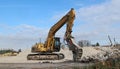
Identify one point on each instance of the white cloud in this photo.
(106, 13)
(96, 22)
(22, 36)
(102, 19)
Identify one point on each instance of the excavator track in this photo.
(45, 56)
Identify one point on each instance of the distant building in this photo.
(84, 43)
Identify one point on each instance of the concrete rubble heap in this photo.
(99, 53)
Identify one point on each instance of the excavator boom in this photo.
(67, 19)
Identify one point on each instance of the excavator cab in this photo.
(57, 44)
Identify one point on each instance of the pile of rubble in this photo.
(99, 54)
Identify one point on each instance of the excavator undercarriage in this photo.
(45, 56)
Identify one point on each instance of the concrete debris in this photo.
(93, 54)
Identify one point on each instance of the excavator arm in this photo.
(67, 19)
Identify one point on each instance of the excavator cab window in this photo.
(57, 43)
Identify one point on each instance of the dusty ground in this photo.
(20, 61)
(87, 52)
(67, 65)
(22, 57)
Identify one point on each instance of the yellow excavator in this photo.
(47, 50)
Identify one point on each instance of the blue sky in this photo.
(23, 22)
(14, 12)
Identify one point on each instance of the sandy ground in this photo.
(43, 65)
(20, 61)
(87, 52)
(22, 57)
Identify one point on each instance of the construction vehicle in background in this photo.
(8, 52)
(50, 49)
